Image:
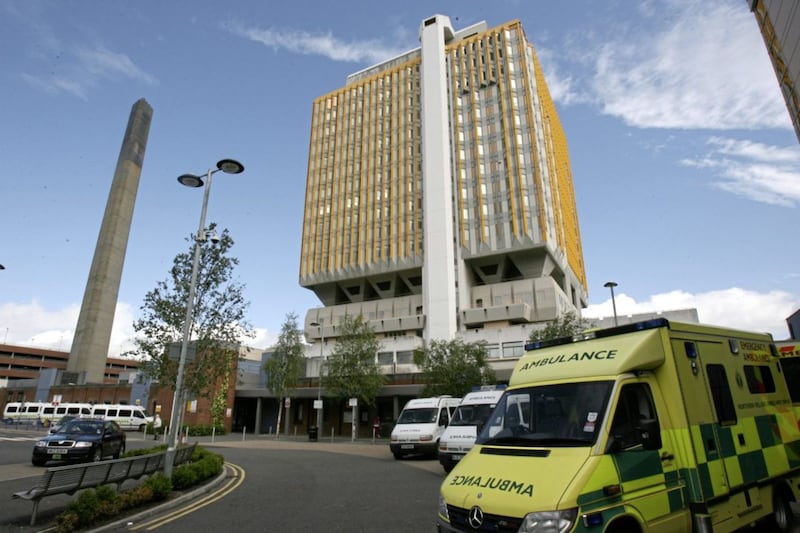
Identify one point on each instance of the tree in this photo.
(351, 368)
(217, 329)
(566, 325)
(454, 367)
(285, 366)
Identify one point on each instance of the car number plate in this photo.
(457, 456)
(55, 452)
(407, 446)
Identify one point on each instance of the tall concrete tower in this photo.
(87, 358)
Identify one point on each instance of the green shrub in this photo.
(205, 431)
(184, 477)
(161, 486)
(86, 506)
(203, 465)
(104, 502)
(67, 522)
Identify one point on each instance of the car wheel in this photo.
(397, 455)
(120, 451)
(142, 428)
(39, 462)
(97, 454)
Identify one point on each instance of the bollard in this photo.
(213, 433)
(243, 431)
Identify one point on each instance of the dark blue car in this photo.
(81, 439)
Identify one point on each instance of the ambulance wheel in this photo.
(397, 455)
(782, 517)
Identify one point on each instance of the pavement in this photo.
(378, 448)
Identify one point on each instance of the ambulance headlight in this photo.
(426, 437)
(443, 508)
(548, 522)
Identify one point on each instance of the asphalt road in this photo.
(283, 485)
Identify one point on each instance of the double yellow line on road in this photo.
(236, 474)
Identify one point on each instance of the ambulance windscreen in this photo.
(565, 414)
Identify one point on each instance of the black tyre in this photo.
(782, 517)
(39, 462)
(97, 454)
(120, 451)
(397, 455)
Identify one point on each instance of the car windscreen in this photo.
(418, 416)
(564, 414)
(83, 427)
(471, 415)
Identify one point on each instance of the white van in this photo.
(469, 418)
(129, 417)
(53, 412)
(23, 410)
(421, 424)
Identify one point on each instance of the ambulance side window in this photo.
(721, 394)
(635, 422)
(791, 372)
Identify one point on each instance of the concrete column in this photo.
(438, 271)
(87, 358)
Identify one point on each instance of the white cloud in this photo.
(84, 71)
(707, 69)
(321, 44)
(754, 170)
(734, 307)
(30, 324)
(100, 62)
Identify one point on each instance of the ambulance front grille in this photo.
(459, 519)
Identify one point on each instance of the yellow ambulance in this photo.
(652, 426)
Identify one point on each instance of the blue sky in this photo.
(686, 169)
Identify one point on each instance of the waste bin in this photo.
(312, 433)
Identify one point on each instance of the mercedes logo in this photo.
(475, 517)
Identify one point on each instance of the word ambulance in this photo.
(652, 426)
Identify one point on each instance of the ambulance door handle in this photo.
(666, 456)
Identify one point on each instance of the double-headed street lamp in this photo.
(321, 361)
(611, 285)
(229, 166)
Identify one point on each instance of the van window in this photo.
(444, 417)
(125, 412)
(138, 414)
(759, 379)
(111, 412)
(11, 408)
(791, 372)
(32, 409)
(635, 405)
(48, 410)
(100, 411)
(423, 415)
(721, 394)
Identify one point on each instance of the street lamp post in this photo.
(611, 285)
(229, 166)
(321, 361)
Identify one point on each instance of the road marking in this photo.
(20, 439)
(237, 474)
